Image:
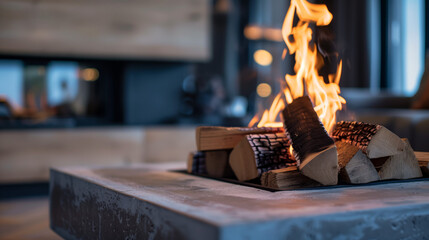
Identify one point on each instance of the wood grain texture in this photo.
(149, 29)
(217, 164)
(322, 166)
(401, 166)
(355, 167)
(423, 158)
(190, 162)
(219, 138)
(287, 178)
(259, 153)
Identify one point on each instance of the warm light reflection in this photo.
(253, 32)
(263, 90)
(270, 118)
(307, 80)
(263, 57)
(90, 74)
(273, 34)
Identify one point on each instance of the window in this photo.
(12, 81)
(405, 45)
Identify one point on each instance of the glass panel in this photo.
(11, 81)
(63, 82)
(413, 21)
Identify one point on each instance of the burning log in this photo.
(196, 163)
(374, 140)
(314, 150)
(355, 167)
(287, 178)
(259, 153)
(423, 158)
(400, 166)
(220, 138)
(217, 164)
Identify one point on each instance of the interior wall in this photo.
(349, 26)
(153, 92)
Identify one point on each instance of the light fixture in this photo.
(263, 57)
(90, 74)
(263, 90)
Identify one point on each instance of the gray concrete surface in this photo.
(149, 202)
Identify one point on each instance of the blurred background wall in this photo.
(81, 63)
(76, 66)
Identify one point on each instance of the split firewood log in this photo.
(423, 158)
(190, 162)
(287, 178)
(314, 150)
(220, 138)
(259, 153)
(217, 164)
(400, 166)
(374, 140)
(196, 163)
(355, 167)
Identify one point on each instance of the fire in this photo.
(306, 81)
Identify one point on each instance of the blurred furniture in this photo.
(26, 156)
(392, 112)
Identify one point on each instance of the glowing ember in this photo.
(307, 80)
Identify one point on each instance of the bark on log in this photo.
(196, 163)
(259, 153)
(374, 140)
(314, 149)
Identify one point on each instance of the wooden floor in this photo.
(25, 218)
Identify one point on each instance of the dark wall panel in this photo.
(152, 92)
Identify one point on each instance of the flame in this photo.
(306, 81)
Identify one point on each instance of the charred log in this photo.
(374, 140)
(196, 163)
(259, 153)
(314, 149)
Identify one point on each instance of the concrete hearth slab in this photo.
(149, 202)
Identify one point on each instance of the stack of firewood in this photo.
(302, 154)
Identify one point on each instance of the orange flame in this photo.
(307, 81)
